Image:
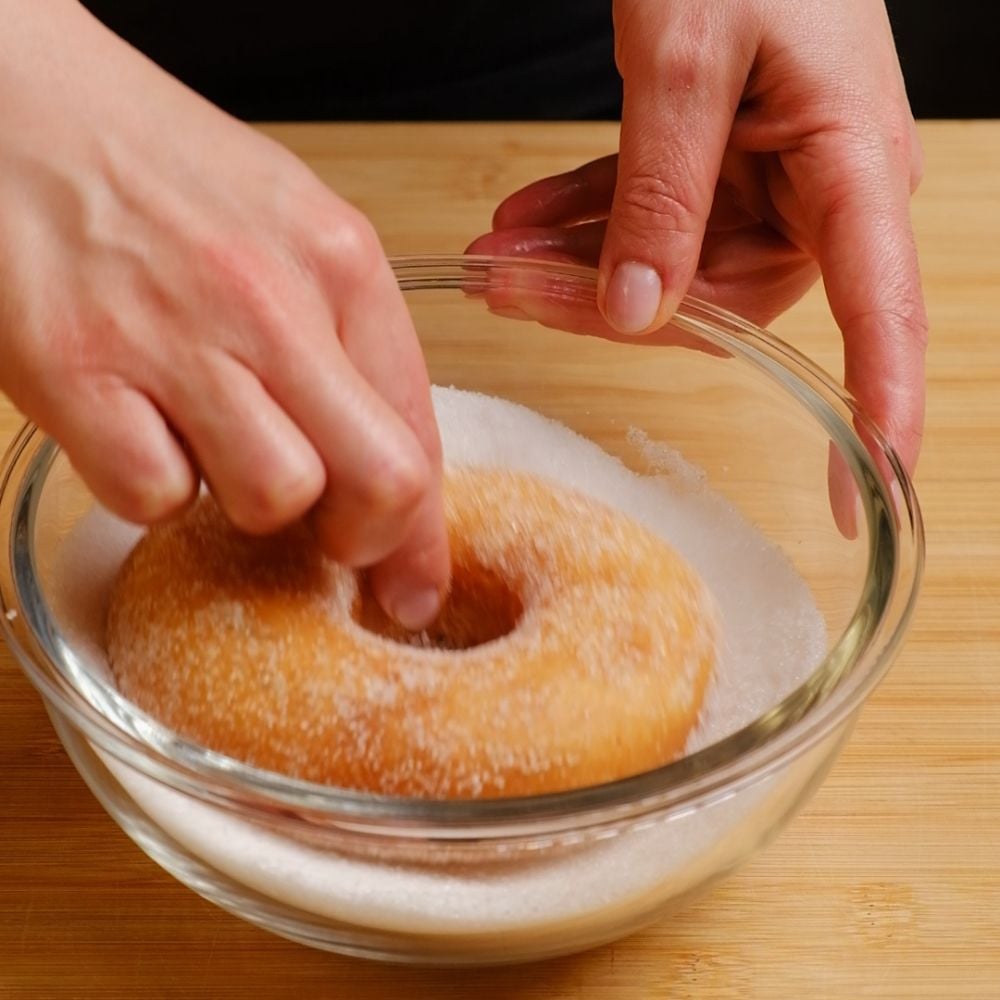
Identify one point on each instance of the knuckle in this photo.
(353, 547)
(679, 65)
(348, 244)
(267, 503)
(250, 516)
(906, 323)
(398, 487)
(352, 535)
(362, 524)
(881, 145)
(916, 327)
(147, 496)
(672, 60)
(900, 137)
(655, 203)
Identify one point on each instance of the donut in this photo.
(574, 648)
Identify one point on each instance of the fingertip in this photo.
(481, 245)
(414, 609)
(411, 583)
(907, 442)
(402, 482)
(632, 298)
(535, 204)
(504, 215)
(844, 496)
(886, 377)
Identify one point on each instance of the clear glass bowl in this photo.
(515, 879)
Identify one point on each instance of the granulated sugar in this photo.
(773, 637)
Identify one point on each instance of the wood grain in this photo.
(888, 885)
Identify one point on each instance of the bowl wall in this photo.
(472, 883)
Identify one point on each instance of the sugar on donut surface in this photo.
(575, 648)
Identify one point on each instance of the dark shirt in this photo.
(383, 59)
(948, 55)
(444, 59)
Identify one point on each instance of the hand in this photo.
(761, 141)
(181, 298)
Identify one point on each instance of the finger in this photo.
(560, 234)
(540, 297)
(869, 261)
(844, 495)
(753, 271)
(260, 467)
(378, 337)
(120, 444)
(758, 184)
(577, 244)
(677, 112)
(579, 195)
(376, 471)
(410, 583)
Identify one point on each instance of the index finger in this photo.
(378, 336)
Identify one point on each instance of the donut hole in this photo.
(481, 607)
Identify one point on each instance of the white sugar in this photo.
(773, 639)
(773, 636)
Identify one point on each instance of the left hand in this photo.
(761, 142)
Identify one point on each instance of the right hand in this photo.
(181, 298)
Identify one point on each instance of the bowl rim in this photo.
(834, 691)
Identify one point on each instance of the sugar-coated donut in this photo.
(575, 648)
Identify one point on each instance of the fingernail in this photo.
(633, 297)
(416, 610)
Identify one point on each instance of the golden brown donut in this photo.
(574, 648)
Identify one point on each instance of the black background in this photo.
(458, 59)
(949, 54)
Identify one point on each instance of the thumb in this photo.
(677, 114)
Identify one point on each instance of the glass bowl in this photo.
(760, 430)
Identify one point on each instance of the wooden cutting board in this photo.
(888, 885)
